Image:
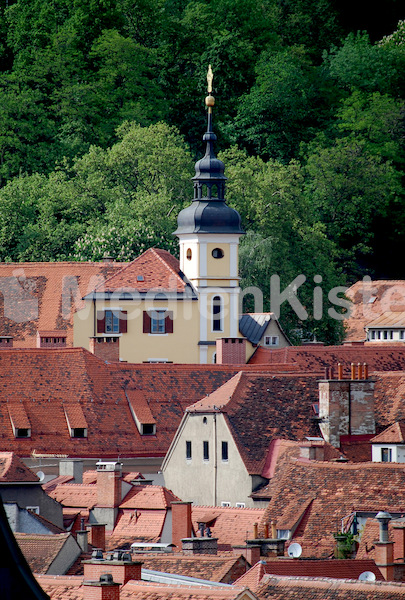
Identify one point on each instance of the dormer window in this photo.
(79, 432)
(22, 432)
(19, 420)
(148, 428)
(76, 420)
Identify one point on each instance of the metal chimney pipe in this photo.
(365, 370)
(340, 371)
(383, 518)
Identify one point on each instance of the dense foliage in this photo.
(102, 117)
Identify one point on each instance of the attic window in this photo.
(22, 432)
(148, 429)
(372, 299)
(225, 504)
(271, 340)
(79, 432)
(283, 534)
(140, 278)
(240, 505)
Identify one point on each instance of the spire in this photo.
(209, 212)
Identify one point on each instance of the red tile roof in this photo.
(47, 383)
(12, 469)
(232, 526)
(142, 590)
(137, 526)
(148, 496)
(395, 434)
(315, 359)
(260, 408)
(290, 588)
(224, 568)
(61, 587)
(40, 551)
(155, 269)
(337, 569)
(44, 296)
(370, 300)
(337, 490)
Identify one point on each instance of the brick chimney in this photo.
(181, 522)
(231, 351)
(104, 588)
(106, 348)
(109, 493)
(97, 535)
(346, 406)
(251, 553)
(119, 563)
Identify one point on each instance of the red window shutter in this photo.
(123, 322)
(146, 322)
(169, 322)
(100, 321)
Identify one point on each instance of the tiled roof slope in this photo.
(136, 526)
(232, 526)
(336, 490)
(395, 434)
(13, 469)
(389, 398)
(44, 296)
(316, 358)
(61, 587)
(337, 569)
(41, 550)
(45, 381)
(388, 295)
(260, 408)
(221, 568)
(290, 588)
(142, 590)
(155, 269)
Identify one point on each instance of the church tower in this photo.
(209, 232)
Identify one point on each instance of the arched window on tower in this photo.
(217, 314)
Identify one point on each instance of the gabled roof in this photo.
(12, 469)
(253, 325)
(388, 319)
(155, 270)
(75, 495)
(41, 550)
(395, 434)
(369, 301)
(44, 297)
(152, 497)
(232, 526)
(143, 590)
(337, 490)
(260, 408)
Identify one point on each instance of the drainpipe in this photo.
(215, 460)
(94, 318)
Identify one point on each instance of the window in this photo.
(217, 253)
(224, 451)
(22, 432)
(373, 334)
(189, 454)
(271, 340)
(189, 254)
(402, 334)
(225, 504)
(216, 313)
(112, 321)
(386, 455)
(240, 505)
(206, 451)
(33, 509)
(158, 322)
(78, 432)
(283, 534)
(148, 429)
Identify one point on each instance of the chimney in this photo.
(119, 563)
(103, 589)
(346, 406)
(251, 553)
(399, 541)
(97, 535)
(106, 348)
(82, 538)
(231, 351)
(181, 522)
(200, 545)
(72, 467)
(109, 494)
(384, 552)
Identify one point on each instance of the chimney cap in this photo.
(383, 516)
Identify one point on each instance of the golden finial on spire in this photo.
(210, 77)
(210, 100)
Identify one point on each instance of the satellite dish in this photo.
(41, 475)
(367, 576)
(294, 550)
